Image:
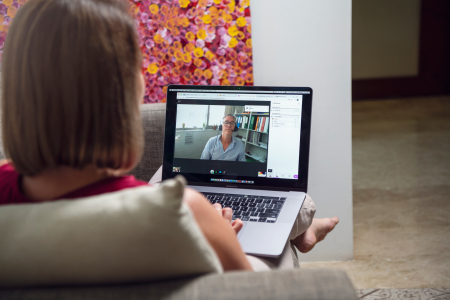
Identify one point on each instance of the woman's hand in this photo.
(227, 214)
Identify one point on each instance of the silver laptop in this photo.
(246, 148)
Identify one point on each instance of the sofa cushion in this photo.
(133, 235)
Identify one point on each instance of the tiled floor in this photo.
(401, 195)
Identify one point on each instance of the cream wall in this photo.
(386, 38)
(308, 43)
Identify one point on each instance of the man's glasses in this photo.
(226, 123)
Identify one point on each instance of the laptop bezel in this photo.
(260, 183)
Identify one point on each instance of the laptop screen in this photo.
(244, 136)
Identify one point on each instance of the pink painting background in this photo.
(199, 42)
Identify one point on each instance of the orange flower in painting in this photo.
(180, 63)
(240, 81)
(12, 11)
(248, 78)
(153, 68)
(233, 31)
(164, 90)
(228, 18)
(3, 28)
(187, 58)
(201, 34)
(2, 19)
(241, 35)
(241, 22)
(226, 82)
(249, 28)
(158, 39)
(233, 42)
(189, 47)
(154, 9)
(207, 73)
(203, 3)
(198, 52)
(184, 22)
(206, 19)
(198, 62)
(198, 72)
(179, 54)
(190, 36)
(165, 9)
(223, 74)
(177, 45)
(176, 71)
(7, 2)
(184, 3)
(249, 43)
(213, 11)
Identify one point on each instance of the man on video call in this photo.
(225, 146)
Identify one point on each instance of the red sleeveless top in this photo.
(10, 192)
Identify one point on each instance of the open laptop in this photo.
(263, 174)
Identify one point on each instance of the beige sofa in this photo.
(278, 284)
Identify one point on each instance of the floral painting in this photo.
(196, 42)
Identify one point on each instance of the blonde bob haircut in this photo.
(70, 86)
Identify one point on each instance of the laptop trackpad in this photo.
(242, 230)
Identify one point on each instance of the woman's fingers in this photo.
(237, 225)
(218, 208)
(227, 214)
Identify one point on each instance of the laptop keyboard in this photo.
(250, 208)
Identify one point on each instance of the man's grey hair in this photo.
(229, 115)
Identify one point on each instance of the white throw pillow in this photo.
(137, 234)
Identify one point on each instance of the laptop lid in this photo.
(270, 144)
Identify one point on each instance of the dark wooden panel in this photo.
(434, 60)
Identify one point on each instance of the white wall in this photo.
(386, 37)
(308, 43)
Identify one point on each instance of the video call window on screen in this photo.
(199, 129)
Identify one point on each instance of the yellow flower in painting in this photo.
(233, 42)
(239, 81)
(187, 58)
(241, 22)
(177, 45)
(198, 72)
(189, 47)
(249, 43)
(241, 35)
(206, 19)
(228, 18)
(231, 7)
(207, 73)
(233, 31)
(153, 68)
(190, 36)
(203, 3)
(7, 2)
(12, 11)
(245, 3)
(210, 56)
(198, 62)
(249, 28)
(185, 22)
(158, 39)
(217, 1)
(226, 82)
(184, 3)
(198, 52)
(201, 34)
(154, 9)
(179, 54)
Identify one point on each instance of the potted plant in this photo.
(214, 126)
(204, 126)
(183, 125)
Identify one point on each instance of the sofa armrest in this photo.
(280, 284)
(153, 121)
